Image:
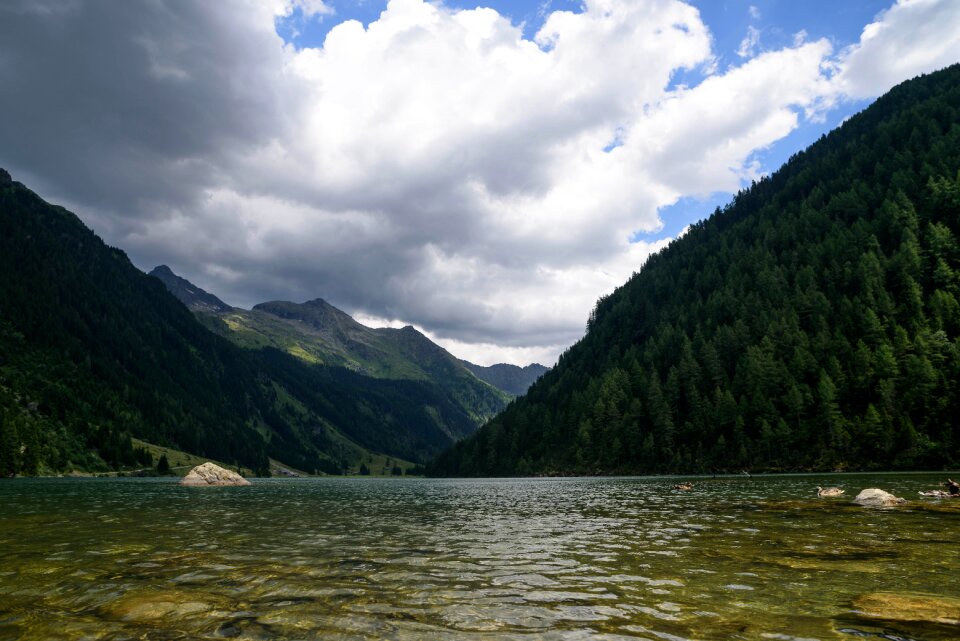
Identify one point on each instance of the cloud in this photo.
(434, 167)
(748, 46)
(909, 38)
(125, 109)
(309, 8)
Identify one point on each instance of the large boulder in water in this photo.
(209, 474)
(873, 497)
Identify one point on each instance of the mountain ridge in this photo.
(513, 379)
(327, 334)
(193, 297)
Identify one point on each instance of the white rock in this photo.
(874, 497)
(210, 474)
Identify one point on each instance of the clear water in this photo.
(571, 559)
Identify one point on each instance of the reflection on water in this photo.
(570, 559)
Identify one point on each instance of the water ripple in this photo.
(555, 559)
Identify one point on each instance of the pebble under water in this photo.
(563, 559)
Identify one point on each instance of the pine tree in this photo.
(163, 465)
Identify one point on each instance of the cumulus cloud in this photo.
(433, 167)
(909, 38)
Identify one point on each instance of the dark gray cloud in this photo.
(128, 106)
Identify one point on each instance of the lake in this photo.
(565, 559)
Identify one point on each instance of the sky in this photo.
(484, 171)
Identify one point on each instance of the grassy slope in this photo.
(318, 333)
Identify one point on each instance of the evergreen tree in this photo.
(163, 465)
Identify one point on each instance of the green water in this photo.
(571, 559)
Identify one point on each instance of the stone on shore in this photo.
(209, 474)
(873, 497)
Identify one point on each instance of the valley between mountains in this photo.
(811, 324)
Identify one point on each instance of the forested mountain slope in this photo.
(94, 352)
(813, 323)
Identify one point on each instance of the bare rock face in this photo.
(873, 497)
(209, 474)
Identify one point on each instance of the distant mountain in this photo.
(93, 353)
(512, 379)
(189, 294)
(812, 324)
(319, 333)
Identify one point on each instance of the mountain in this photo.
(811, 324)
(319, 333)
(94, 353)
(323, 332)
(512, 379)
(190, 295)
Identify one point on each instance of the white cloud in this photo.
(910, 38)
(748, 46)
(434, 168)
(309, 8)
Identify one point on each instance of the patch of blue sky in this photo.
(778, 23)
(616, 141)
(688, 77)
(676, 217)
(303, 32)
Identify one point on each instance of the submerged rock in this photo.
(210, 474)
(155, 605)
(909, 607)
